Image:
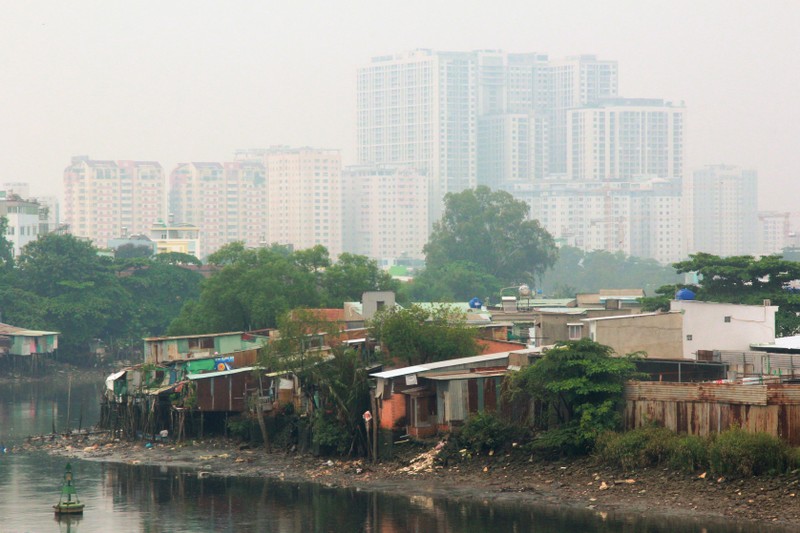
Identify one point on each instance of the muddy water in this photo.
(122, 498)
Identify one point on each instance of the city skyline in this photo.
(134, 86)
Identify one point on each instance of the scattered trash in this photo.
(603, 485)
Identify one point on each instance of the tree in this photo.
(157, 292)
(132, 251)
(580, 387)
(351, 276)
(490, 229)
(250, 292)
(743, 280)
(176, 258)
(80, 294)
(6, 247)
(333, 376)
(453, 282)
(599, 269)
(419, 335)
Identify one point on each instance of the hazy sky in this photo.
(194, 80)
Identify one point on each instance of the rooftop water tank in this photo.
(684, 294)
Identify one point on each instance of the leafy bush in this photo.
(736, 452)
(638, 448)
(242, 428)
(329, 435)
(485, 431)
(554, 443)
(690, 453)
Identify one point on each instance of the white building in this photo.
(774, 232)
(384, 212)
(725, 210)
(723, 326)
(642, 218)
(22, 220)
(576, 81)
(512, 147)
(421, 109)
(624, 138)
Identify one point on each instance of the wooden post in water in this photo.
(69, 401)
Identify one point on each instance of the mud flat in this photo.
(512, 478)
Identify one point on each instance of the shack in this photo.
(429, 398)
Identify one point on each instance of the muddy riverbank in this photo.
(496, 478)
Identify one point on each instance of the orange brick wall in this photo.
(392, 409)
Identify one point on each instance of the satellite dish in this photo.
(524, 290)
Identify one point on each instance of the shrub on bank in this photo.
(486, 431)
(736, 452)
(733, 452)
(638, 448)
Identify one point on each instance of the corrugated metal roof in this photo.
(220, 373)
(622, 317)
(193, 336)
(463, 375)
(8, 329)
(416, 369)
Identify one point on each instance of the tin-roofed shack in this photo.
(433, 397)
(17, 343)
(166, 349)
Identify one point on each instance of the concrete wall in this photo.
(705, 326)
(658, 335)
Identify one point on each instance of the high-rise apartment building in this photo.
(725, 209)
(625, 138)
(384, 212)
(304, 196)
(468, 118)
(226, 201)
(641, 218)
(574, 82)
(775, 232)
(106, 199)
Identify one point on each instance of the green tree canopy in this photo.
(177, 258)
(255, 287)
(419, 335)
(580, 386)
(132, 251)
(490, 229)
(578, 271)
(6, 246)
(78, 290)
(454, 282)
(743, 280)
(351, 276)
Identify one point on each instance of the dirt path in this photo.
(502, 478)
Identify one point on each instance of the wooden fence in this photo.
(704, 408)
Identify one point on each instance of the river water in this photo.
(128, 498)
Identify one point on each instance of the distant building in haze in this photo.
(104, 199)
(304, 196)
(774, 232)
(625, 138)
(384, 212)
(725, 210)
(642, 218)
(225, 201)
